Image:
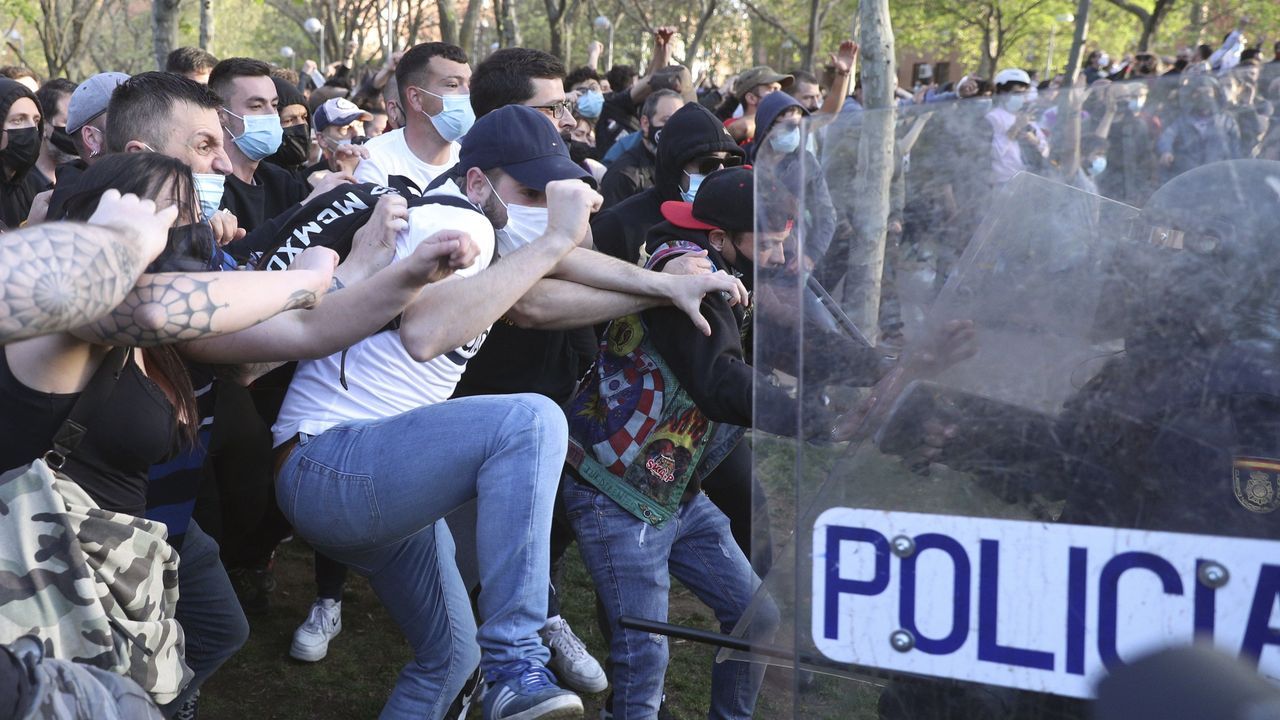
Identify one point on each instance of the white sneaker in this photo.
(570, 660)
(311, 639)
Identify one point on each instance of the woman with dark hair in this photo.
(151, 409)
(23, 126)
(149, 414)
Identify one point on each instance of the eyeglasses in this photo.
(708, 165)
(556, 109)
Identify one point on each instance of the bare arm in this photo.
(640, 89)
(57, 276)
(450, 314)
(346, 316)
(176, 307)
(553, 304)
(842, 63)
(602, 272)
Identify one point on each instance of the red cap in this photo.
(680, 214)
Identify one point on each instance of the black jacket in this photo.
(716, 371)
(693, 131)
(631, 173)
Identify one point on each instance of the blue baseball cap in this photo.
(523, 143)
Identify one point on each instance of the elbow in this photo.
(421, 346)
(527, 314)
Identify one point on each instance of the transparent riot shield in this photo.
(1062, 451)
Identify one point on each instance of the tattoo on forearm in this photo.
(300, 299)
(162, 308)
(58, 276)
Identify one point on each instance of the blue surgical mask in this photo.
(785, 141)
(591, 103)
(1098, 165)
(209, 187)
(1015, 103)
(695, 181)
(261, 137)
(1135, 104)
(455, 119)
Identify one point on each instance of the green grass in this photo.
(263, 683)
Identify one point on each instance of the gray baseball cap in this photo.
(90, 99)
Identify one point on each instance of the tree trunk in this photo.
(1078, 41)
(448, 21)
(699, 32)
(811, 46)
(861, 296)
(206, 25)
(164, 28)
(467, 36)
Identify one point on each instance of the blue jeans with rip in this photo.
(632, 563)
(370, 494)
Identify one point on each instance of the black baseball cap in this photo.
(521, 142)
(725, 201)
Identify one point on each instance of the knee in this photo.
(765, 619)
(540, 419)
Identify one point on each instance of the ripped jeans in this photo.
(631, 564)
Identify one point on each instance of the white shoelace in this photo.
(576, 649)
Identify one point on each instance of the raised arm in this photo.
(57, 276)
(841, 65)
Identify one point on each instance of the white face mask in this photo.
(524, 224)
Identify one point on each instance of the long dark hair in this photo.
(147, 175)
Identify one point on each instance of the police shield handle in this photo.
(569, 207)
(138, 219)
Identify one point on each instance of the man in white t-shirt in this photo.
(371, 457)
(433, 80)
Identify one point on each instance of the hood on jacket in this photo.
(773, 105)
(691, 132)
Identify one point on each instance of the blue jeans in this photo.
(632, 562)
(371, 495)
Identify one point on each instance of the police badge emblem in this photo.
(1257, 483)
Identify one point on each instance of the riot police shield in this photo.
(1069, 453)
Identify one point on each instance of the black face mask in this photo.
(63, 141)
(652, 135)
(23, 149)
(190, 249)
(295, 147)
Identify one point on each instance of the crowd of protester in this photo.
(475, 358)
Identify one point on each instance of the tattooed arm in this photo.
(345, 317)
(176, 307)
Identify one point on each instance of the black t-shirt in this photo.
(274, 191)
(518, 360)
(133, 430)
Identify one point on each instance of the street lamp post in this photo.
(1053, 36)
(313, 26)
(603, 24)
(287, 53)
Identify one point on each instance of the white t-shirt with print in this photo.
(382, 379)
(389, 154)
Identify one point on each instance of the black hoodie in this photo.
(717, 372)
(693, 131)
(16, 194)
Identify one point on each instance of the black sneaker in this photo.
(253, 588)
(190, 709)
